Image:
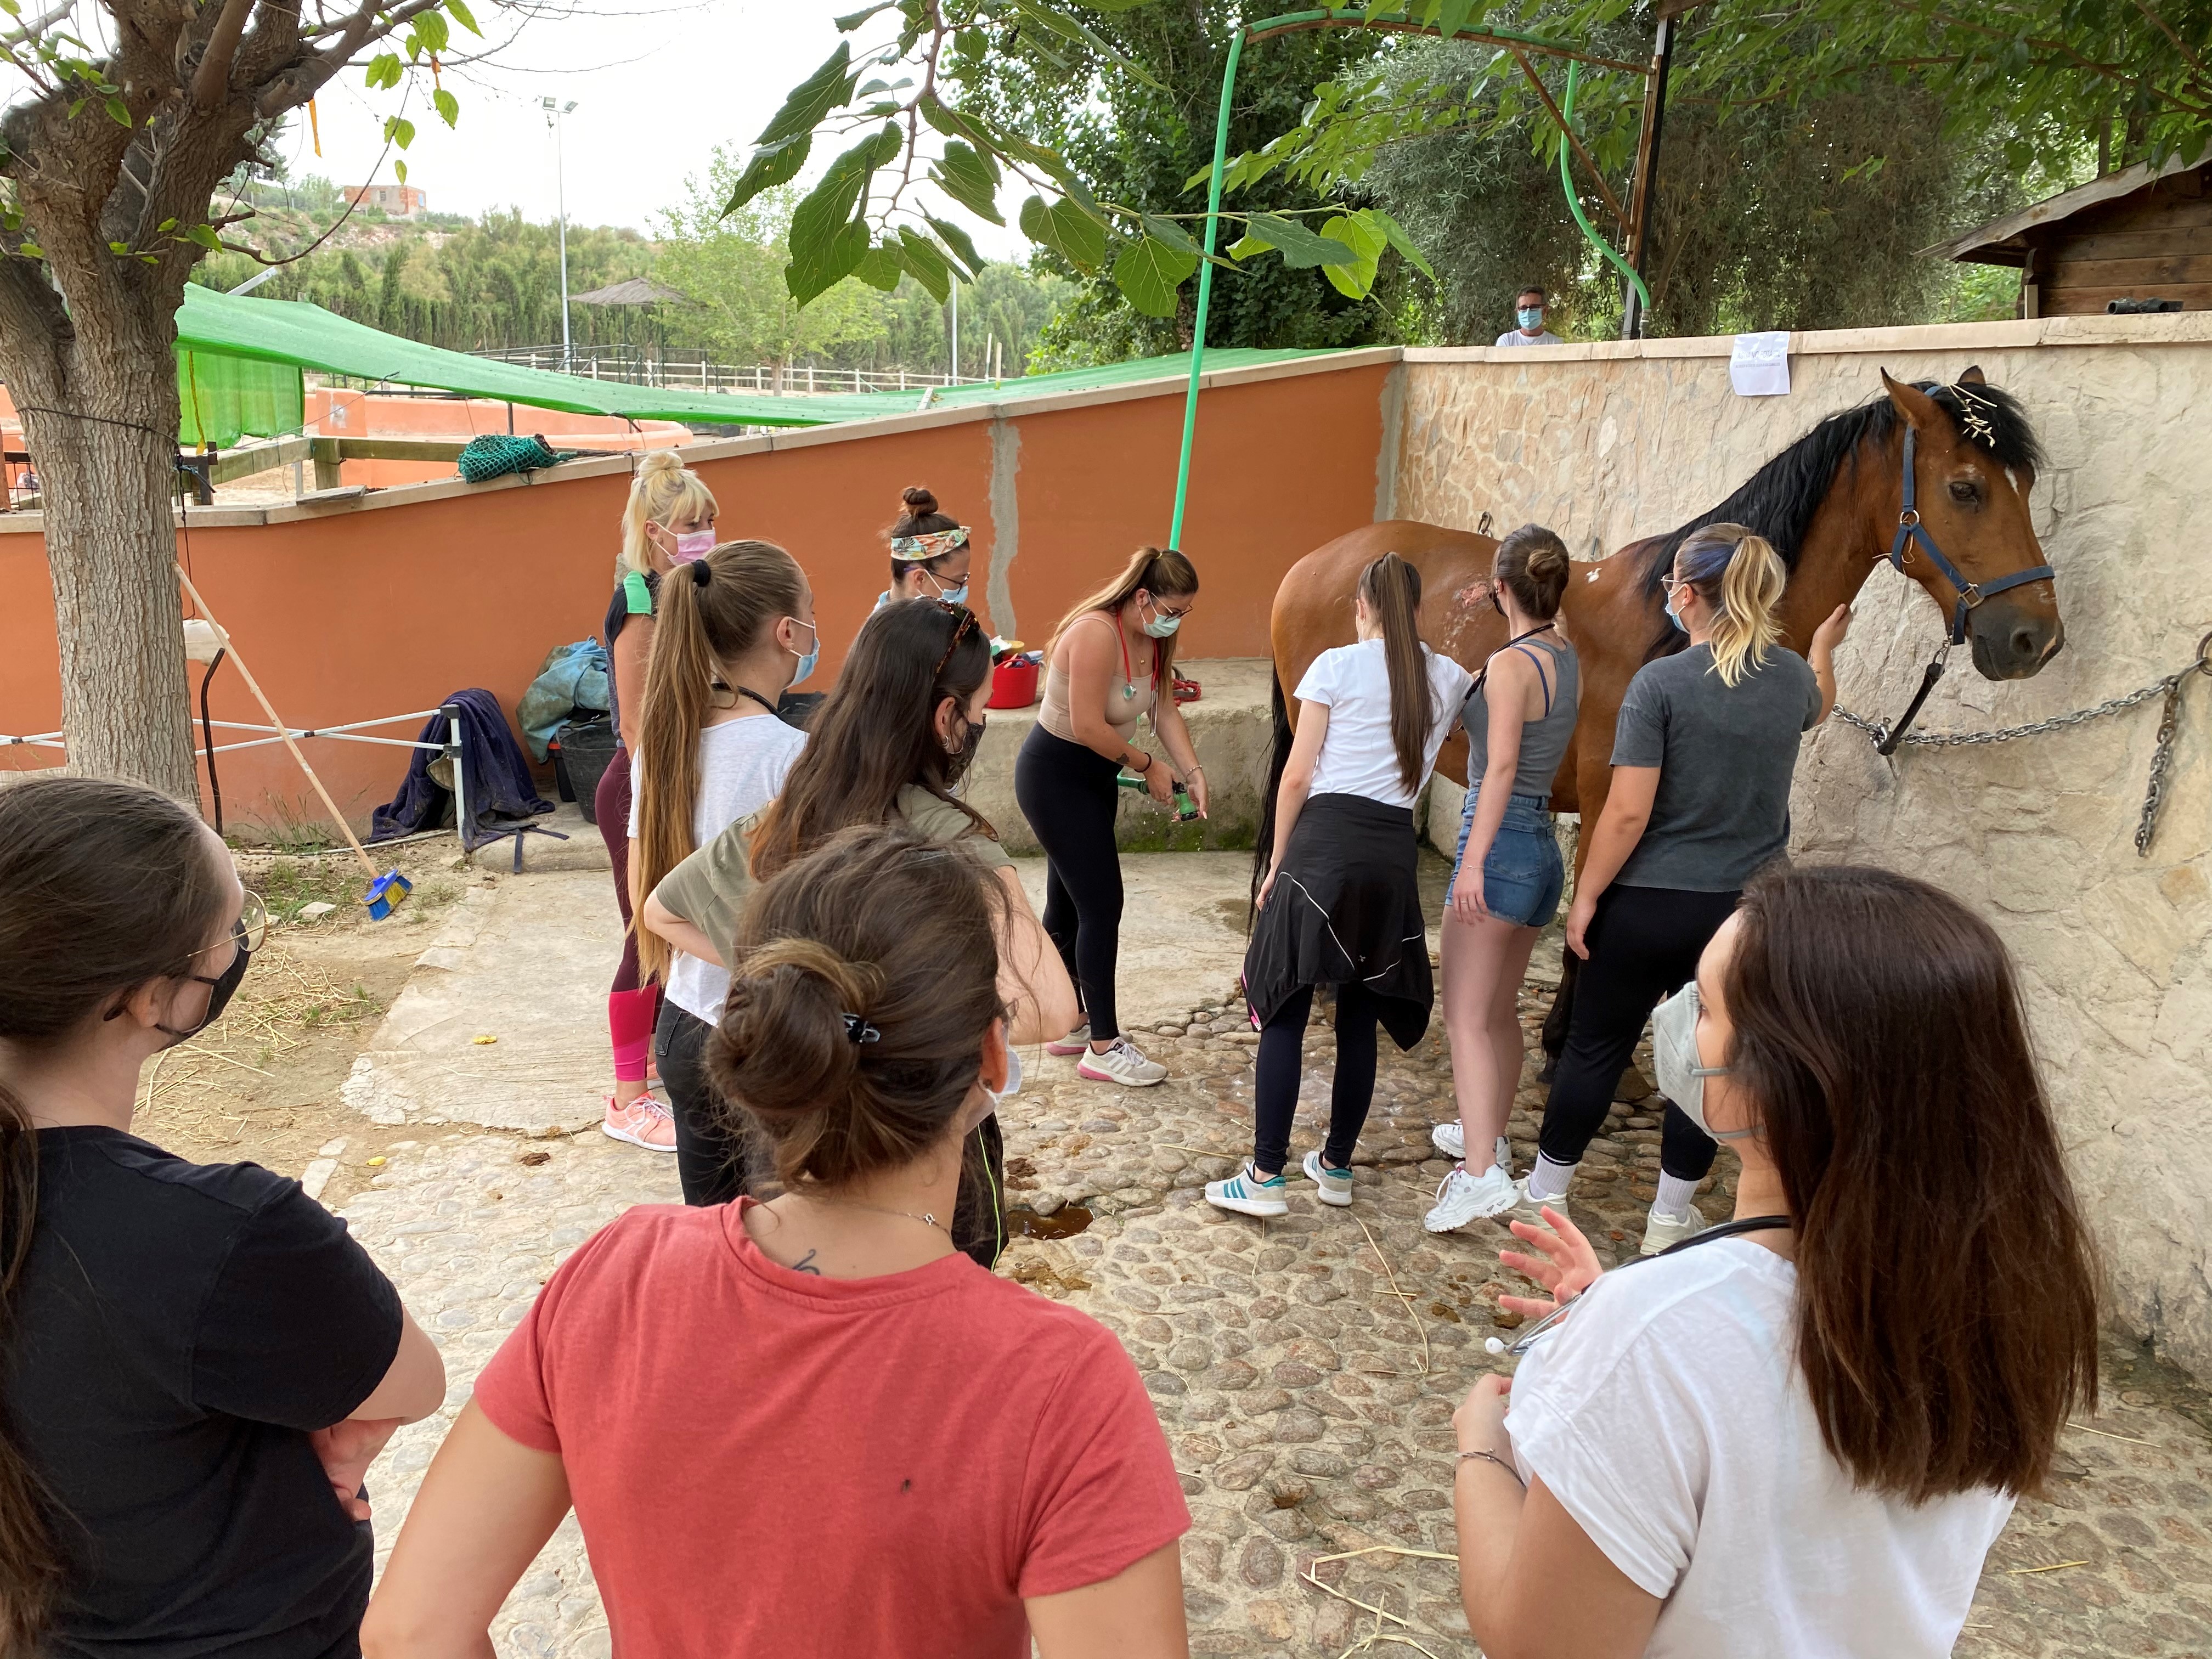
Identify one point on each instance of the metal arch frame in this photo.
(1514, 40)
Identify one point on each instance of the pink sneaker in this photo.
(644, 1122)
(1076, 1041)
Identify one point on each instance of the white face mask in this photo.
(1675, 1057)
(1160, 627)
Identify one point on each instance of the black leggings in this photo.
(714, 1162)
(1282, 1062)
(1643, 943)
(716, 1159)
(1068, 793)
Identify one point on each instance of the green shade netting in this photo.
(295, 334)
(224, 397)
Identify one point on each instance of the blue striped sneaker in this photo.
(1335, 1184)
(1248, 1194)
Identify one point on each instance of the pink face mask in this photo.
(692, 545)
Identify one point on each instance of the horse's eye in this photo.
(1965, 492)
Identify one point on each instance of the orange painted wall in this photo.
(363, 612)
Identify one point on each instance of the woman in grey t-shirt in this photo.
(1702, 758)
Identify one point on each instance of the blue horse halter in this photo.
(1970, 594)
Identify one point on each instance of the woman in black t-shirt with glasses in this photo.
(197, 1362)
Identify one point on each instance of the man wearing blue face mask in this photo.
(1528, 313)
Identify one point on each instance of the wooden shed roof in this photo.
(2005, 241)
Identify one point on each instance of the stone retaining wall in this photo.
(1609, 442)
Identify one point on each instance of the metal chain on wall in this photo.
(2162, 763)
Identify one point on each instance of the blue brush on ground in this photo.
(386, 890)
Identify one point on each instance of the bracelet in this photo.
(1492, 1457)
(1146, 768)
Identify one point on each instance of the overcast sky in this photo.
(656, 88)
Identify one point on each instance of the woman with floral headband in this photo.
(930, 554)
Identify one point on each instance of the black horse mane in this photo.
(1779, 500)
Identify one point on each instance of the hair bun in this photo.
(657, 461)
(916, 502)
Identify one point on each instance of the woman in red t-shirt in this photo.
(812, 1426)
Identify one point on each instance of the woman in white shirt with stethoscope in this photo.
(1799, 1432)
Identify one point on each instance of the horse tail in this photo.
(1277, 763)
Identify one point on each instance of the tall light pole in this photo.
(554, 111)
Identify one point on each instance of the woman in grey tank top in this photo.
(1508, 877)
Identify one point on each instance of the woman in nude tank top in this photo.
(1111, 665)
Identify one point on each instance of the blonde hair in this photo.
(1741, 577)
(712, 612)
(1158, 571)
(664, 492)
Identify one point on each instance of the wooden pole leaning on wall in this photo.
(387, 888)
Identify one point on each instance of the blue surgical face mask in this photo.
(806, 663)
(1161, 628)
(954, 595)
(1530, 316)
(1675, 615)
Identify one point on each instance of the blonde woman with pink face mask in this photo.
(669, 521)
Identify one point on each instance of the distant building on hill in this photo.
(400, 201)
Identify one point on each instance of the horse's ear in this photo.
(1972, 376)
(1918, 409)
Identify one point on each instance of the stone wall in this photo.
(1610, 442)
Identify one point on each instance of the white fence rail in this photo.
(684, 371)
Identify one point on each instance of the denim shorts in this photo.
(1524, 874)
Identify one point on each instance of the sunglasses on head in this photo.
(967, 620)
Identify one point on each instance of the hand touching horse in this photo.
(1833, 503)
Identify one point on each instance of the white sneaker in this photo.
(1659, 1231)
(1074, 1043)
(1121, 1064)
(1335, 1185)
(1464, 1198)
(1532, 1209)
(1451, 1139)
(1246, 1194)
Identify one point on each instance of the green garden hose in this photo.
(1574, 203)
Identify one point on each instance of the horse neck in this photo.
(1842, 547)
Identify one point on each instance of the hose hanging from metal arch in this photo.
(1574, 203)
(207, 736)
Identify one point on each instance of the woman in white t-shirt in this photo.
(736, 628)
(1800, 1433)
(1339, 905)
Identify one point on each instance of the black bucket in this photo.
(587, 747)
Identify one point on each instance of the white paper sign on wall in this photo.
(1758, 365)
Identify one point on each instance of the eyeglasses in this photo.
(1669, 582)
(967, 620)
(252, 926)
(1159, 610)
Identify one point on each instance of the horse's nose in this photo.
(2012, 645)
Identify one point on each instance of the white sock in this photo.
(1675, 1193)
(1549, 1181)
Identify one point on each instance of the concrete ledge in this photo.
(1230, 724)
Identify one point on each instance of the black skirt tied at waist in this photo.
(1346, 909)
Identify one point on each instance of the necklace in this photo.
(856, 1204)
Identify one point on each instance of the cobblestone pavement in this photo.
(1305, 1369)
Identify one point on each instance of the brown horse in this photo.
(1831, 504)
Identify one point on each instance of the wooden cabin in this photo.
(2142, 233)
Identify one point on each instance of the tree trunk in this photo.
(102, 426)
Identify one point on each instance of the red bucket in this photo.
(1013, 685)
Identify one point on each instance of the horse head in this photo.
(1965, 463)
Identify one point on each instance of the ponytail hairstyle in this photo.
(713, 611)
(862, 984)
(876, 733)
(1531, 565)
(1164, 573)
(104, 887)
(664, 492)
(1739, 573)
(918, 521)
(1392, 589)
(1880, 1040)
